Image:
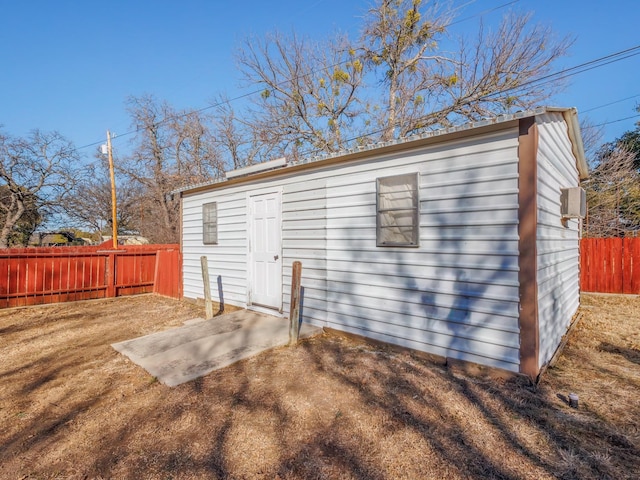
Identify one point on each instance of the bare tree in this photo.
(239, 139)
(171, 149)
(36, 173)
(309, 91)
(426, 87)
(499, 72)
(317, 97)
(90, 204)
(591, 139)
(28, 222)
(194, 148)
(400, 43)
(150, 164)
(613, 196)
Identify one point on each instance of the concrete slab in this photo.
(200, 346)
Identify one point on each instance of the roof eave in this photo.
(577, 146)
(416, 141)
(354, 155)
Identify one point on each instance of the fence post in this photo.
(207, 288)
(111, 275)
(294, 310)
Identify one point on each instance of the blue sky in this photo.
(69, 65)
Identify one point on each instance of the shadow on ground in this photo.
(71, 407)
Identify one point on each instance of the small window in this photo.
(398, 211)
(210, 223)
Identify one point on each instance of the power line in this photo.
(610, 103)
(482, 13)
(562, 74)
(556, 76)
(177, 117)
(616, 121)
(575, 70)
(460, 7)
(283, 82)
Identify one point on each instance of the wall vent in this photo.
(573, 202)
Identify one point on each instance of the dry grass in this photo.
(71, 407)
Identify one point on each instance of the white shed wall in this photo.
(227, 260)
(557, 243)
(303, 238)
(456, 295)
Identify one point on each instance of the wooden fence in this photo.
(31, 276)
(610, 265)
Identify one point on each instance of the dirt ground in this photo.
(330, 408)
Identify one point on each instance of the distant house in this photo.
(53, 239)
(127, 239)
(457, 243)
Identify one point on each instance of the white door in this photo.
(265, 251)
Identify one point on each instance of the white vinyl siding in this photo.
(455, 295)
(227, 261)
(304, 229)
(456, 292)
(557, 242)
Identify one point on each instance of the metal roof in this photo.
(569, 114)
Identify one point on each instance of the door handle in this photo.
(276, 257)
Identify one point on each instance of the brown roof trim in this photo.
(471, 129)
(570, 116)
(427, 138)
(527, 228)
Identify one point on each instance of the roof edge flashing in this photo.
(268, 168)
(258, 167)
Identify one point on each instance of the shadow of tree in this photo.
(630, 354)
(328, 408)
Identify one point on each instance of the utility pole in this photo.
(114, 208)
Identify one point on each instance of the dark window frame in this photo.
(414, 210)
(209, 225)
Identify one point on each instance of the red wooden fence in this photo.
(31, 276)
(610, 265)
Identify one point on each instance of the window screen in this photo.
(210, 223)
(398, 216)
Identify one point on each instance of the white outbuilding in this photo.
(461, 243)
